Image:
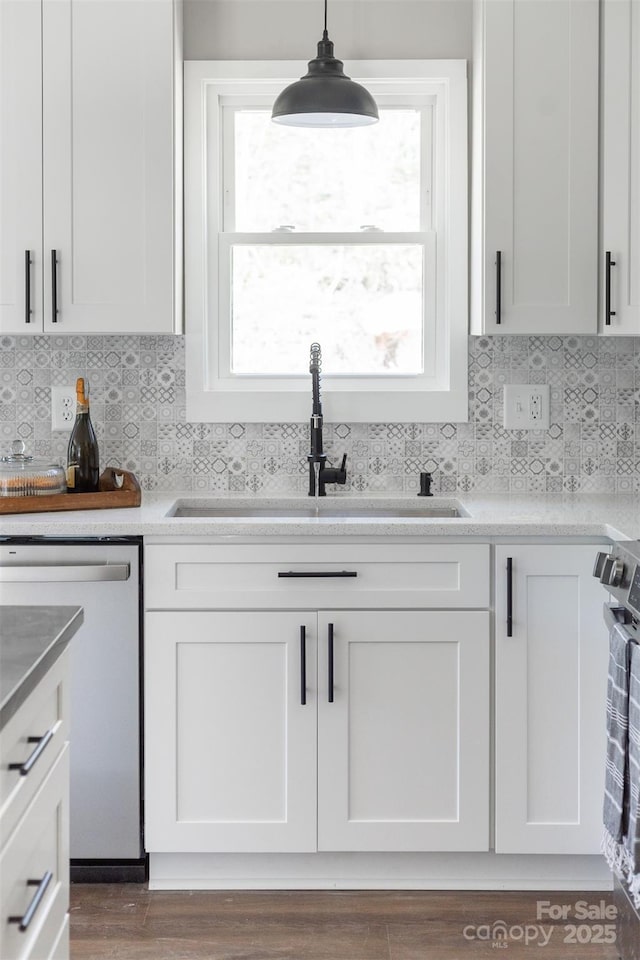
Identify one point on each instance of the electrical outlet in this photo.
(526, 406)
(63, 407)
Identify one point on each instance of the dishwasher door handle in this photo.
(65, 573)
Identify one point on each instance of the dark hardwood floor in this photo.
(127, 922)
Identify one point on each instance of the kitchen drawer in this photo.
(44, 714)
(61, 947)
(213, 576)
(36, 847)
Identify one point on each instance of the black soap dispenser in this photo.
(425, 485)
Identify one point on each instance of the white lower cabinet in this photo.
(551, 674)
(403, 730)
(335, 699)
(230, 750)
(250, 747)
(34, 873)
(34, 823)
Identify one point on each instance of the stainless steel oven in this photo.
(619, 572)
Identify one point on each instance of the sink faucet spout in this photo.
(319, 473)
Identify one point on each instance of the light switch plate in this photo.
(526, 406)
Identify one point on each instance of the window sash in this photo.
(426, 104)
(219, 349)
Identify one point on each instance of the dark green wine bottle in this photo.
(83, 463)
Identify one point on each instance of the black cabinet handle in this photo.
(498, 286)
(27, 286)
(297, 574)
(509, 596)
(31, 760)
(330, 662)
(608, 312)
(54, 286)
(30, 912)
(303, 665)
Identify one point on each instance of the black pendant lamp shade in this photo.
(325, 97)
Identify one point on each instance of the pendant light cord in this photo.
(325, 35)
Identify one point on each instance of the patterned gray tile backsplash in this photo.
(138, 409)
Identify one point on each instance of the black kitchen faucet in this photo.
(319, 473)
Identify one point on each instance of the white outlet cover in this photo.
(63, 408)
(526, 406)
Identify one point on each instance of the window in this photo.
(354, 238)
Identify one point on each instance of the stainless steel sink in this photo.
(311, 512)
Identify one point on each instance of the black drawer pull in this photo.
(36, 900)
(330, 662)
(300, 574)
(32, 759)
(498, 286)
(303, 666)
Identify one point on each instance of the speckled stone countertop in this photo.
(492, 515)
(31, 640)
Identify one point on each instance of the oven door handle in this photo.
(65, 573)
(614, 613)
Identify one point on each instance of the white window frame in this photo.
(215, 396)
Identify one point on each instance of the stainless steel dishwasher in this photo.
(104, 577)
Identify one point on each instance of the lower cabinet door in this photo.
(551, 678)
(403, 731)
(230, 743)
(34, 872)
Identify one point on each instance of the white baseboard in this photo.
(376, 871)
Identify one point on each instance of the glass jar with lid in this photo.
(24, 476)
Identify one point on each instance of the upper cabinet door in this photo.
(20, 166)
(535, 160)
(108, 89)
(620, 255)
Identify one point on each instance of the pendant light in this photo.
(325, 97)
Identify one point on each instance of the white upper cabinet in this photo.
(99, 114)
(20, 166)
(535, 167)
(620, 254)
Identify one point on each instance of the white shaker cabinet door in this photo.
(551, 675)
(403, 731)
(620, 255)
(535, 167)
(230, 747)
(108, 75)
(20, 166)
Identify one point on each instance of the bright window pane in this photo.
(324, 179)
(362, 302)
